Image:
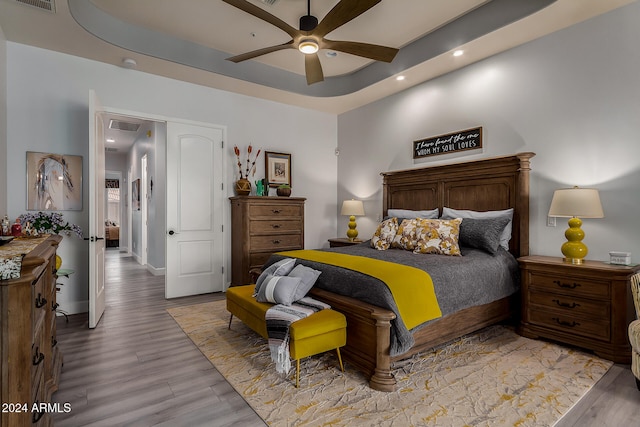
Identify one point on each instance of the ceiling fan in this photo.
(310, 37)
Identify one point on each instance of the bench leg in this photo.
(297, 372)
(340, 359)
(230, 319)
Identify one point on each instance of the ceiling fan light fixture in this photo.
(308, 46)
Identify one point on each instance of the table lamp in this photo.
(575, 203)
(352, 208)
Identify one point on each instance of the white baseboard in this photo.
(156, 271)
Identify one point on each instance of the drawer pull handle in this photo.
(276, 211)
(565, 323)
(38, 357)
(566, 304)
(275, 226)
(54, 306)
(275, 242)
(566, 285)
(54, 342)
(40, 302)
(37, 414)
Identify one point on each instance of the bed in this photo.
(483, 185)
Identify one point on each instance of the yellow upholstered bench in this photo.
(322, 331)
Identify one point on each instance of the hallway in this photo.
(138, 368)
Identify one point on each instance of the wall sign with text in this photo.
(469, 139)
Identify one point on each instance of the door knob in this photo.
(171, 233)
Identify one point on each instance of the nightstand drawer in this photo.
(571, 306)
(570, 285)
(564, 322)
(275, 226)
(276, 243)
(275, 210)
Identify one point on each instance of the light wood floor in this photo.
(138, 368)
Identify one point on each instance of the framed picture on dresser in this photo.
(277, 168)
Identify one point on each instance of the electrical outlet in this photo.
(551, 221)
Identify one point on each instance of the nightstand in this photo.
(587, 305)
(337, 242)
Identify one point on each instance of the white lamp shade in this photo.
(578, 202)
(352, 207)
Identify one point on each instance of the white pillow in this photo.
(448, 213)
(409, 214)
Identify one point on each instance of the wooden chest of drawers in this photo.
(261, 226)
(587, 305)
(31, 360)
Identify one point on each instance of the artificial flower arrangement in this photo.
(49, 223)
(251, 166)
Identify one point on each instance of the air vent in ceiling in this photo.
(47, 5)
(120, 125)
(270, 2)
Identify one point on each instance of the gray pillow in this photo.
(410, 214)
(280, 268)
(308, 276)
(280, 289)
(483, 234)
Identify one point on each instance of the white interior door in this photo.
(195, 206)
(96, 211)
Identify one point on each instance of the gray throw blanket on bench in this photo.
(278, 319)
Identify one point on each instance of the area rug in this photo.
(491, 378)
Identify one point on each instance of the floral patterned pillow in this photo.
(384, 235)
(407, 237)
(438, 236)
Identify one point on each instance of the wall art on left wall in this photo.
(54, 182)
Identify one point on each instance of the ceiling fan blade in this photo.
(343, 12)
(264, 15)
(260, 52)
(366, 50)
(313, 69)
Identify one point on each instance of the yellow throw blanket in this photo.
(411, 287)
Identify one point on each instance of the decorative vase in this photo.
(58, 262)
(283, 192)
(243, 187)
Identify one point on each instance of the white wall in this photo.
(572, 97)
(49, 112)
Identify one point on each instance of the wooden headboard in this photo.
(489, 184)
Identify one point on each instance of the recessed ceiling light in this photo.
(458, 52)
(129, 63)
(400, 78)
(111, 140)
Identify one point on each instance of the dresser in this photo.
(260, 226)
(31, 359)
(587, 305)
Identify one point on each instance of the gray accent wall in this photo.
(572, 97)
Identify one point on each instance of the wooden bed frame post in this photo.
(382, 378)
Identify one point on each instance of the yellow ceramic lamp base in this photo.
(352, 233)
(573, 249)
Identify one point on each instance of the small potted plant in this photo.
(283, 190)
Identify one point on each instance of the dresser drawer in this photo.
(257, 259)
(275, 226)
(570, 286)
(276, 243)
(275, 210)
(564, 322)
(570, 305)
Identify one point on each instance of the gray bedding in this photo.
(475, 278)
